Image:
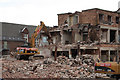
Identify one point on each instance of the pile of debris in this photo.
(85, 60)
(81, 67)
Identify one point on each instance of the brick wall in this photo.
(90, 16)
(11, 45)
(109, 45)
(62, 18)
(106, 13)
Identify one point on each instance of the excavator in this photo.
(112, 69)
(24, 52)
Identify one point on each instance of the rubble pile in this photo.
(85, 60)
(48, 68)
(83, 67)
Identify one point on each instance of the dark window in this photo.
(85, 36)
(117, 20)
(112, 56)
(104, 56)
(22, 50)
(34, 51)
(101, 17)
(29, 51)
(109, 18)
(112, 36)
(67, 42)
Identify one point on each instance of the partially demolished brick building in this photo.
(94, 31)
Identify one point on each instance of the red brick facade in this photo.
(90, 16)
(62, 18)
(11, 45)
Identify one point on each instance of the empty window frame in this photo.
(113, 55)
(76, 19)
(101, 17)
(25, 37)
(104, 56)
(5, 45)
(70, 21)
(44, 39)
(109, 18)
(85, 36)
(104, 35)
(112, 35)
(117, 20)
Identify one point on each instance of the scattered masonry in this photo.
(82, 67)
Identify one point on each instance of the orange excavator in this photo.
(24, 52)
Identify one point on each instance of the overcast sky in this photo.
(31, 12)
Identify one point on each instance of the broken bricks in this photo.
(48, 68)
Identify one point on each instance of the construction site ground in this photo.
(81, 67)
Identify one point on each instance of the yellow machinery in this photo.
(112, 69)
(25, 52)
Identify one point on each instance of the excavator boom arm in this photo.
(37, 31)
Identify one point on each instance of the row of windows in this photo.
(101, 19)
(109, 18)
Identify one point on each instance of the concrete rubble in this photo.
(81, 67)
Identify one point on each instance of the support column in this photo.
(118, 55)
(62, 33)
(99, 51)
(79, 53)
(108, 55)
(117, 36)
(108, 36)
(55, 57)
(70, 54)
(73, 36)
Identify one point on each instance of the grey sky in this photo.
(32, 11)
